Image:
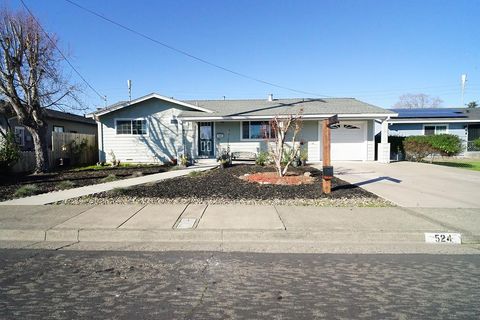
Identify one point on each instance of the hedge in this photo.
(419, 147)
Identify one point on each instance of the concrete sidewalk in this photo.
(53, 197)
(238, 225)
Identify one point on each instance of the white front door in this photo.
(349, 140)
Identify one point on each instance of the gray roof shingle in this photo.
(263, 107)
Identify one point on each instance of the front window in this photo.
(20, 136)
(58, 129)
(431, 130)
(131, 127)
(256, 130)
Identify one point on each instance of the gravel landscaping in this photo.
(220, 186)
(17, 186)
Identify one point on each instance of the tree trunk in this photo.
(39, 136)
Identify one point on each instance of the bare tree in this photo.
(280, 153)
(418, 100)
(30, 77)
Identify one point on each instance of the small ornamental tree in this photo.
(282, 154)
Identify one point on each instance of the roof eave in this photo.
(305, 116)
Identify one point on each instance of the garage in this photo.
(349, 140)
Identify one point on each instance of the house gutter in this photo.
(306, 116)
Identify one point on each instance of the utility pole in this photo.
(464, 82)
(129, 84)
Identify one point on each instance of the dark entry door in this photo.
(205, 139)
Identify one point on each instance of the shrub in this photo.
(137, 174)
(262, 158)
(419, 147)
(9, 152)
(109, 178)
(446, 144)
(476, 143)
(26, 191)
(287, 157)
(116, 192)
(66, 184)
(194, 174)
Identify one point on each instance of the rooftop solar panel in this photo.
(429, 113)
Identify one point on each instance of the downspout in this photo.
(101, 151)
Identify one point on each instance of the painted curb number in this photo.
(443, 237)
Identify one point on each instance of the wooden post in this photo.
(326, 181)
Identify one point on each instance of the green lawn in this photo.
(466, 164)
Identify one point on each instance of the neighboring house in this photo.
(463, 122)
(155, 128)
(57, 122)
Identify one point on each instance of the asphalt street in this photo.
(45, 284)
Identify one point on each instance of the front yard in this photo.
(465, 164)
(221, 186)
(17, 186)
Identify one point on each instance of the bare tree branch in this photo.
(31, 78)
(417, 101)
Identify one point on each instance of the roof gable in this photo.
(124, 104)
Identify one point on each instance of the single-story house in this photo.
(156, 128)
(57, 122)
(463, 122)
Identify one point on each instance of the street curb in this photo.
(22, 235)
(222, 236)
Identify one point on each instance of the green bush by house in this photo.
(419, 147)
(476, 143)
(9, 152)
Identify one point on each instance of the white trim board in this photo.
(351, 117)
(434, 121)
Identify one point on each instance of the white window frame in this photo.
(55, 126)
(22, 144)
(131, 134)
(436, 125)
(249, 139)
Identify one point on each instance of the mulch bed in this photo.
(47, 182)
(225, 186)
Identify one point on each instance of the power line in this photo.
(61, 53)
(143, 35)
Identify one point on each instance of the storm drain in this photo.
(186, 223)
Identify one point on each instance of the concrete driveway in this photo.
(410, 184)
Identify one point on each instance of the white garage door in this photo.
(349, 141)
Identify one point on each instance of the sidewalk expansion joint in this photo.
(121, 224)
(280, 217)
(200, 218)
(81, 212)
(180, 217)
